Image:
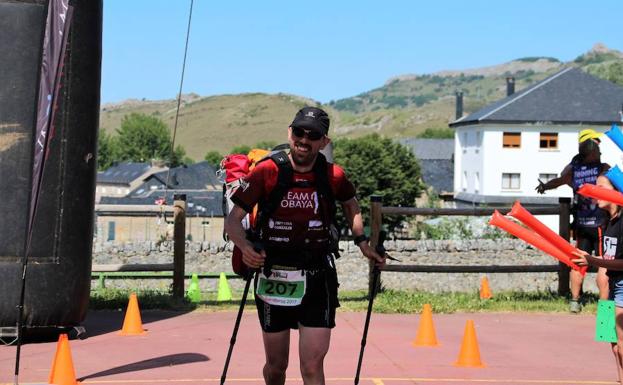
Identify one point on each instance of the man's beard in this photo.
(301, 159)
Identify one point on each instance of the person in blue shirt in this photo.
(588, 218)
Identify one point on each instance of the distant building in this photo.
(502, 150)
(136, 216)
(123, 177)
(436, 158)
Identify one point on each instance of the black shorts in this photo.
(589, 239)
(317, 308)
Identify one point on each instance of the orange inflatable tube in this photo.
(520, 213)
(533, 239)
(604, 194)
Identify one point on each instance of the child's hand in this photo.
(581, 258)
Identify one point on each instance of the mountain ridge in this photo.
(403, 106)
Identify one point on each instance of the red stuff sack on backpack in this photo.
(233, 167)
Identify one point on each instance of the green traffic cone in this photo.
(605, 322)
(224, 292)
(194, 293)
(251, 295)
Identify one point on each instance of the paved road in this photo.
(190, 348)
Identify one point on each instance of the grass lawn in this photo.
(388, 301)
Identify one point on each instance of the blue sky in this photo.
(332, 49)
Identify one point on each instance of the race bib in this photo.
(282, 288)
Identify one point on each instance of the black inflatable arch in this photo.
(59, 269)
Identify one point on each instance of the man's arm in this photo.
(238, 235)
(352, 211)
(564, 178)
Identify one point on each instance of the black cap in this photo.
(312, 118)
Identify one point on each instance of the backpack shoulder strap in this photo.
(321, 173)
(284, 182)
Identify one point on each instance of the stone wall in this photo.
(353, 268)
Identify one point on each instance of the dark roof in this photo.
(199, 203)
(198, 176)
(122, 173)
(430, 148)
(439, 174)
(198, 181)
(570, 96)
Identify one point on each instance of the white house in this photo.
(502, 150)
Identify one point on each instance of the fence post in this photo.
(376, 221)
(563, 231)
(179, 244)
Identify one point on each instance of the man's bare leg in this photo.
(313, 347)
(277, 348)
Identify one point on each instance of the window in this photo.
(547, 177)
(476, 181)
(548, 140)
(464, 142)
(477, 141)
(464, 184)
(111, 231)
(511, 140)
(510, 181)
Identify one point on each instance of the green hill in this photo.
(405, 106)
(216, 122)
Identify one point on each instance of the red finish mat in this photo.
(190, 348)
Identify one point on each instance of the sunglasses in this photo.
(311, 135)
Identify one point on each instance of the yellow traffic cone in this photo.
(224, 291)
(194, 293)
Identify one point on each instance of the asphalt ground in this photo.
(190, 348)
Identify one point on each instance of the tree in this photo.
(179, 157)
(213, 157)
(612, 72)
(266, 144)
(242, 149)
(615, 73)
(377, 165)
(437, 133)
(106, 150)
(142, 138)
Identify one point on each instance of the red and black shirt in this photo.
(298, 220)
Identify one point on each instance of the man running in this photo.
(296, 287)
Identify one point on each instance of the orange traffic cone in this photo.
(62, 372)
(470, 353)
(485, 290)
(426, 331)
(132, 325)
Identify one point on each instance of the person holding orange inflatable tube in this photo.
(612, 261)
(588, 219)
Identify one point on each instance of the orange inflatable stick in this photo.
(520, 213)
(604, 194)
(533, 239)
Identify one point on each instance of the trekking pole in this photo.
(376, 272)
(237, 325)
(258, 247)
(375, 281)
